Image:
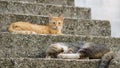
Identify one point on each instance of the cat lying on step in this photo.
(54, 49)
(80, 50)
(53, 27)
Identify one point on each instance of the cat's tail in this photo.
(14, 28)
(11, 28)
(105, 60)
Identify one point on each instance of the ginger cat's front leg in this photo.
(55, 32)
(60, 33)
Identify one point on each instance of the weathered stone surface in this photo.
(56, 2)
(28, 51)
(46, 63)
(34, 46)
(115, 63)
(19, 45)
(43, 9)
(71, 26)
(6, 63)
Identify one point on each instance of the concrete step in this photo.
(43, 9)
(71, 26)
(23, 51)
(34, 46)
(46, 63)
(115, 63)
(56, 2)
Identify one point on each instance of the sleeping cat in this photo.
(80, 50)
(53, 27)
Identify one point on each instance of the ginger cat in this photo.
(53, 27)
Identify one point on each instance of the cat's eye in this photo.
(59, 23)
(53, 22)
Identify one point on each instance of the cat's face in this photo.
(56, 23)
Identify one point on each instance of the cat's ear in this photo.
(50, 16)
(61, 16)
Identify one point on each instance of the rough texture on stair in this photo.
(71, 26)
(7, 7)
(56, 2)
(47, 63)
(51, 63)
(19, 45)
(34, 46)
(115, 63)
(28, 51)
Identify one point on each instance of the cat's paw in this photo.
(33, 33)
(68, 56)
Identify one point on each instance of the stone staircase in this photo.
(28, 51)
